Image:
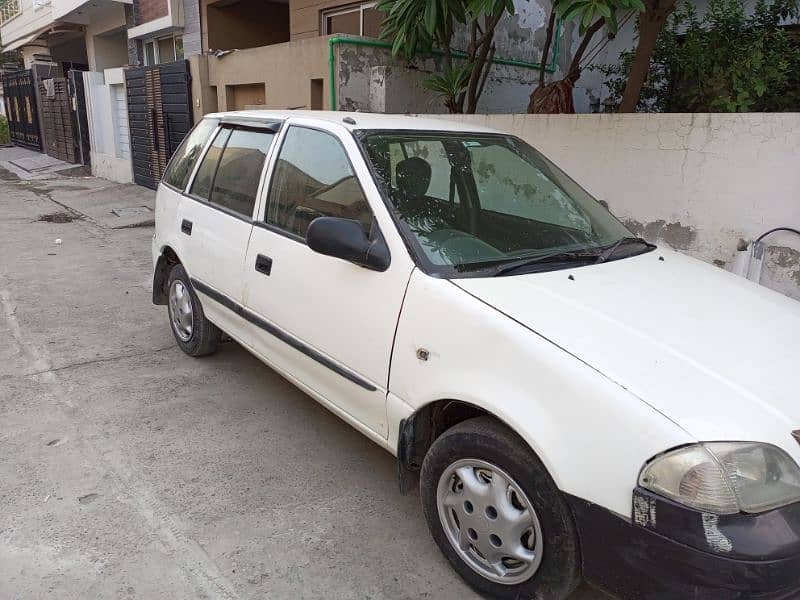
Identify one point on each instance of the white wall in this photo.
(700, 183)
(106, 39)
(107, 114)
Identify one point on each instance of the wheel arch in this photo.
(166, 260)
(419, 430)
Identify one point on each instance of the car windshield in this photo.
(473, 202)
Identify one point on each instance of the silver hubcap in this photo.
(180, 310)
(490, 521)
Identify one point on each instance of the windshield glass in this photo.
(471, 202)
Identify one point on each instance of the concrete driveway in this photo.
(133, 471)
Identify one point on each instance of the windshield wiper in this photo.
(555, 257)
(609, 252)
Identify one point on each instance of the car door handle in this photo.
(186, 227)
(263, 264)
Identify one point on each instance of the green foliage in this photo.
(419, 26)
(586, 12)
(416, 26)
(724, 61)
(450, 84)
(5, 138)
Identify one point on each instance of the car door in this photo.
(326, 322)
(216, 216)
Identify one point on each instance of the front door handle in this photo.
(186, 227)
(263, 264)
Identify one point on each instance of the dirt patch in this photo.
(60, 217)
(7, 175)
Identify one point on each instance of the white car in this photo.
(573, 401)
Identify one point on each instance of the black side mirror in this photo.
(345, 239)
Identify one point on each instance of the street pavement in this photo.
(130, 470)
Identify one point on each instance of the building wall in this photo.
(304, 16)
(369, 79)
(192, 25)
(243, 24)
(149, 10)
(700, 183)
(289, 73)
(106, 39)
(27, 22)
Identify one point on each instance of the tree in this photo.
(724, 61)
(591, 16)
(651, 23)
(420, 26)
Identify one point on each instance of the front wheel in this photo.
(496, 514)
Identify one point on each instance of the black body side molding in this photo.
(279, 333)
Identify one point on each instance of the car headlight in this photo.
(725, 477)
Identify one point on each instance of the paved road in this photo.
(132, 471)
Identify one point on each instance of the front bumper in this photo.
(668, 551)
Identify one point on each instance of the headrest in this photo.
(413, 176)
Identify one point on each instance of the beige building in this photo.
(276, 54)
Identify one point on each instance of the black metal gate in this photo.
(159, 114)
(77, 96)
(23, 120)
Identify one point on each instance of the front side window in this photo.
(313, 178)
(230, 173)
(182, 163)
(473, 203)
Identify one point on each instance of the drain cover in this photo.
(132, 211)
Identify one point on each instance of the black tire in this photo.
(488, 440)
(205, 336)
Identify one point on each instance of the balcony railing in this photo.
(8, 10)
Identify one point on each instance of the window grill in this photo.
(9, 9)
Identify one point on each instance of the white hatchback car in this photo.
(574, 402)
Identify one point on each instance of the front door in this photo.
(328, 323)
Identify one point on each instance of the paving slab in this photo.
(30, 165)
(111, 205)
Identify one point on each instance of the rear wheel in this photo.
(496, 514)
(195, 334)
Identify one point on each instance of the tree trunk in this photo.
(651, 22)
(551, 25)
(479, 52)
(574, 71)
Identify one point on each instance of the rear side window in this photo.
(182, 163)
(313, 178)
(231, 169)
(201, 186)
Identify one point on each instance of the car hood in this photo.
(715, 353)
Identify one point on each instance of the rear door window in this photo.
(230, 173)
(182, 163)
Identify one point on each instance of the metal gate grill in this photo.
(20, 98)
(159, 114)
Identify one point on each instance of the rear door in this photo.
(215, 216)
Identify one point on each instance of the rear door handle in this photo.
(186, 227)
(263, 264)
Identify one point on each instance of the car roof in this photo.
(360, 120)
